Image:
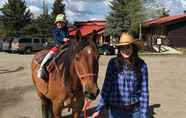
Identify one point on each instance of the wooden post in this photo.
(101, 39)
(140, 33)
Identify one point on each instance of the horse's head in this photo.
(86, 67)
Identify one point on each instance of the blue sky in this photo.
(78, 10)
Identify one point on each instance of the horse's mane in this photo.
(75, 46)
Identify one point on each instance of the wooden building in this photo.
(88, 27)
(171, 29)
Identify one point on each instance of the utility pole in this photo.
(45, 7)
(140, 33)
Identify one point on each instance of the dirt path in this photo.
(167, 76)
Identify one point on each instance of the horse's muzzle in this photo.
(91, 96)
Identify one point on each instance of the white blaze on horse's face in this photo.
(89, 51)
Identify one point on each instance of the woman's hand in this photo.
(96, 115)
(66, 39)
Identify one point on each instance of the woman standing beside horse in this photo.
(125, 89)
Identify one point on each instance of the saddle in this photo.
(59, 57)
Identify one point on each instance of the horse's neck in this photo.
(72, 81)
(75, 80)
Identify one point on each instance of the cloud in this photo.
(35, 10)
(173, 5)
(86, 9)
(183, 3)
(2, 2)
(77, 10)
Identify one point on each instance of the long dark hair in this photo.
(135, 62)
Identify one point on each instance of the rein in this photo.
(86, 102)
(86, 105)
(83, 76)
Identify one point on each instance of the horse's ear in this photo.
(78, 35)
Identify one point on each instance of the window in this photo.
(36, 41)
(25, 40)
(43, 40)
(15, 40)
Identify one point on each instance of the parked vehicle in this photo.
(106, 49)
(6, 45)
(1, 44)
(27, 45)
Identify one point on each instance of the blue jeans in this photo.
(121, 114)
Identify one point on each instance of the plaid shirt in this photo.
(123, 88)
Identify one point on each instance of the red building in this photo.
(88, 27)
(171, 29)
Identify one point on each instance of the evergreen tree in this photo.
(15, 16)
(154, 9)
(125, 15)
(43, 25)
(31, 29)
(2, 32)
(58, 8)
(39, 27)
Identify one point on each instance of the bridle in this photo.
(84, 76)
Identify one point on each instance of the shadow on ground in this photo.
(105, 115)
(89, 113)
(3, 71)
(11, 97)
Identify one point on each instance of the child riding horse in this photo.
(60, 34)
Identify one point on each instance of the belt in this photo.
(128, 108)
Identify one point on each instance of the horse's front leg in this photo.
(77, 107)
(76, 114)
(57, 108)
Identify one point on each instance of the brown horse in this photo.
(71, 79)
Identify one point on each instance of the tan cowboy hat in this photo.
(127, 39)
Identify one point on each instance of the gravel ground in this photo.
(167, 78)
